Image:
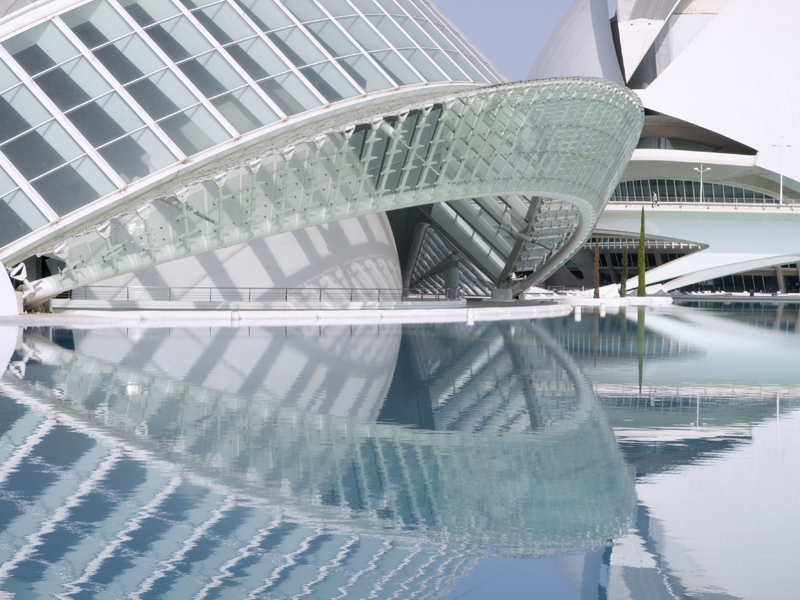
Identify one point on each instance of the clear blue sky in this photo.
(510, 33)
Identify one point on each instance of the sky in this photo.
(510, 33)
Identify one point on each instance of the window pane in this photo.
(19, 217)
(147, 12)
(96, 23)
(71, 84)
(179, 38)
(294, 44)
(289, 93)
(211, 74)
(411, 28)
(396, 68)
(224, 23)
(339, 8)
(391, 7)
(73, 186)
(105, 119)
(265, 14)
(391, 31)
(19, 112)
(423, 64)
(137, 155)
(366, 6)
(466, 66)
(365, 74)
(257, 59)
(129, 58)
(410, 8)
(331, 38)
(304, 10)
(41, 150)
(330, 82)
(7, 78)
(194, 130)
(363, 33)
(245, 110)
(442, 61)
(161, 94)
(40, 48)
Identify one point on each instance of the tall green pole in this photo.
(623, 286)
(596, 267)
(641, 263)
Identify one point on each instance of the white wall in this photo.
(353, 253)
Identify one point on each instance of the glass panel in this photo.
(366, 6)
(137, 155)
(41, 150)
(331, 38)
(19, 217)
(339, 8)
(423, 64)
(435, 34)
(718, 197)
(71, 84)
(211, 74)
(391, 31)
(73, 186)
(396, 68)
(179, 38)
(265, 14)
(363, 33)
(6, 183)
(738, 193)
(7, 78)
(289, 93)
(391, 7)
(147, 12)
(191, 4)
(245, 110)
(257, 58)
(224, 23)
(298, 48)
(129, 58)
(708, 192)
(727, 192)
(194, 130)
(410, 8)
(161, 94)
(330, 82)
(670, 189)
(19, 112)
(96, 23)
(105, 119)
(442, 61)
(365, 74)
(410, 27)
(40, 48)
(466, 66)
(304, 10)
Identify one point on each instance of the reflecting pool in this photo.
(643, 454)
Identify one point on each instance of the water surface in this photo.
(647, 454)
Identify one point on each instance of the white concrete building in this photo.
(719, 85)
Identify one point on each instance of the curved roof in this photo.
(581, 46)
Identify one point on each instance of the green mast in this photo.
(641, 263)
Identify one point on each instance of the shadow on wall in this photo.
(352, 253)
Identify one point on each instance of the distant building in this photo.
(719, 84)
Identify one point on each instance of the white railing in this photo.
(255, 295)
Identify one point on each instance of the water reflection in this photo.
(319, 462)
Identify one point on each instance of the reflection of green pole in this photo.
(640, 344)
(641, 265)
(623, 286)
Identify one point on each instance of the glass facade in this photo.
(105, 94)
(676, 190)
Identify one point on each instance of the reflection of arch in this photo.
(562, 489)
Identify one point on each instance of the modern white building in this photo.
(167, 145)
(719, 85)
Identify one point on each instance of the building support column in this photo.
(781, 284)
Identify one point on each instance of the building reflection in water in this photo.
(317, 462)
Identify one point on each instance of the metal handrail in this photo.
(684, 200)
(256, 295)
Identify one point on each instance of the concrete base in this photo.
(61, 305)
(502, 295)
(88, 319)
